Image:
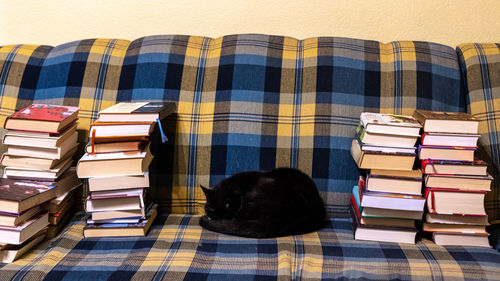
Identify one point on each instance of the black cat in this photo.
(257, 204)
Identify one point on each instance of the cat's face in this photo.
(223, 202)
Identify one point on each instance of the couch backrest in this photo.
(245, 102)
(481, 75)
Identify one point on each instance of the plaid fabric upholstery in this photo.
(20, 67)
(248, 102)
(481, 75)
(177, 248)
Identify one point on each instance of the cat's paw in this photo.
(205, 221)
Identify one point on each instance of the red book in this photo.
(42, 118)
(451, 167)
(455, 202)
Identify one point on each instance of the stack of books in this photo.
(116, 164)
(41, 140)
(386, 203)
(455, 181)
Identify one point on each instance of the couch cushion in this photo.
(177, 248)
(481, 75)
(250, 101)
(20, 67)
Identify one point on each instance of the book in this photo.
(38, 174)
(17, 196)
(17, 235)
(54, 230)
(122, 146)
(115, 229)
(117, 214)
(462, 182)
(118, 182)
(392, 201)
(450, 167)
(390, 124)
(55, 205)
(384, 234)
(385, 140)
(42, 118)
(114, 132)
(12, 219)
(32, 162)
(446, 153)
(125, 220)
(380, 221)
(121, 193)
(397, 173)
(63, 209)
(455, 202)
(388, 213)
(386, 149)
(443, 139)
(367, 212)
(67, 181)
(69, 146)
(456, 219)
(136, 112)
(380, 160)
(36, 139)
(114, 164)
(455, 239)
(126, 202)
(394, 184)
(447, 122)
(10, 253)
(455, 228)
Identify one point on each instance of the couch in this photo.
(247, 102)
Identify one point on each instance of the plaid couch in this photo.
(249, 102)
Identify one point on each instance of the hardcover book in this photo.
(455, 202)
(36, 139)
(387, 140)
(125, 229)
(447, 122)
(450, 167)
(461, 182)
(453, 153)
(136, 112)
(17, 196)
(461, 239)
(390, 124)
(114, 164)
(10, 252)
(42, 118)
(381, 160)
(120, 131)
(19, 234)
(384, 234)
(444, 139)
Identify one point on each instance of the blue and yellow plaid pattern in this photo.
(244, 102)
(248, 102)
(20, 67)
(481, 76)
(177, 248)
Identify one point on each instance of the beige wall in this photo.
(444, 21)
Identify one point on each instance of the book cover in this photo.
(422, 115)
(130, 111)
(45, 112)
(388, 120)
(16, 190)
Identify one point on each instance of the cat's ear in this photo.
(208, 192)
